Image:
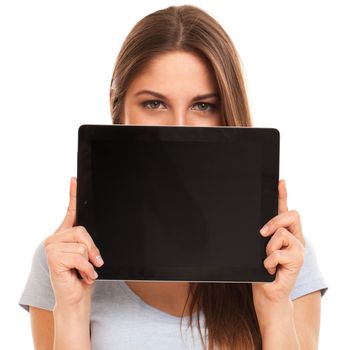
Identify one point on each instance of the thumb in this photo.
(282, 197)
(70, 218)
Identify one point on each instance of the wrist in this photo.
(72, 326)
(277, 326)
(79, 311)
(275, 315)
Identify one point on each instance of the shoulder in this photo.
(38, 291)
(310, 277)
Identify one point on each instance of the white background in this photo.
(56, 65)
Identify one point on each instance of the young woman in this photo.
(176, 67)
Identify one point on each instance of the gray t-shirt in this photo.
(121, 320)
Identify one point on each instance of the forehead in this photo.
(176, 71)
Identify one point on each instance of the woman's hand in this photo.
(285, 253)
(67, 248)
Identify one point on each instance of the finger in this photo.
(291, 259)
(68, 261)
(68, 247)
(88, 272)
(281, 239)
(272, 271)
(70, 218)
(73, 248)
(86, 278)
(80, 235)
(290, 220)
(282, 197)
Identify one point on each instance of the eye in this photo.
(204, 106)
(152, 104)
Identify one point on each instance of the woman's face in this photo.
(176, 88)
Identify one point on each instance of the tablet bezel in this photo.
(270, 140)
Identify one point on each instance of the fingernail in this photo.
(95, 274)
(264, 230)
(99, 260)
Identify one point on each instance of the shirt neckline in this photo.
(129, 292)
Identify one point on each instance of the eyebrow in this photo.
(196, 98)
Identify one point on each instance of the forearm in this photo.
(72, 327)
(277, 327)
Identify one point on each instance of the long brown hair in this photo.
(230, 318)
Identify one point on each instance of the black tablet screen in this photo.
(189, 204)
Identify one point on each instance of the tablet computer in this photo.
(178, 203)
